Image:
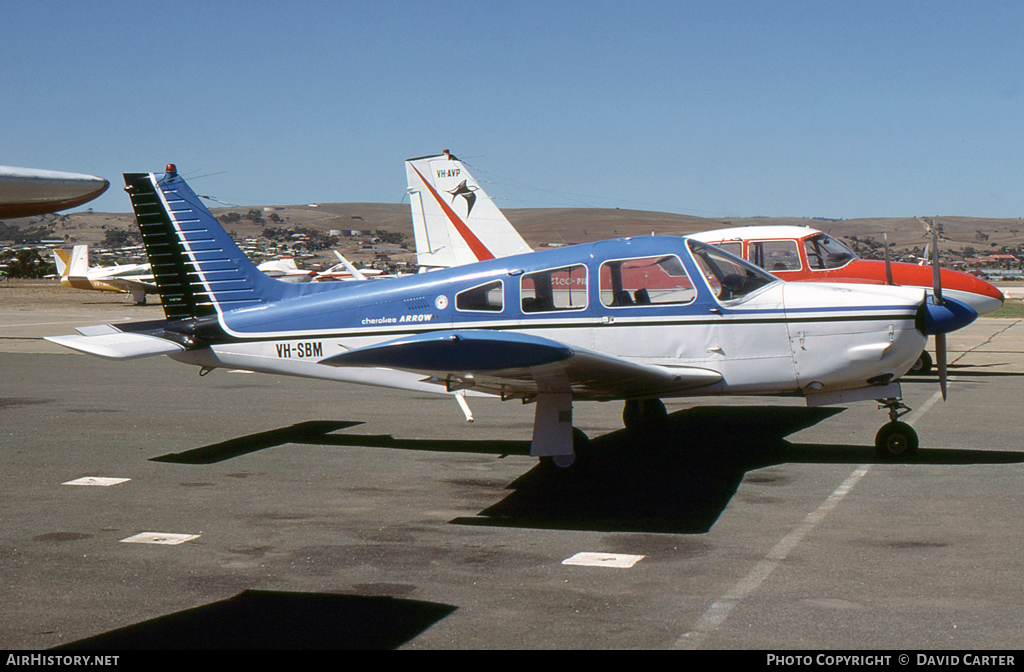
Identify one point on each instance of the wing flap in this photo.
(515, 364)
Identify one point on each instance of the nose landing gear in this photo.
(896, 439)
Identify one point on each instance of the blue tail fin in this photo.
(199, 270)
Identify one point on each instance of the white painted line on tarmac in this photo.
(618, 560)
(160, 538)
(720, 609)
(75, 321)
(102, 481)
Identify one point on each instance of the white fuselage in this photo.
(788, 338)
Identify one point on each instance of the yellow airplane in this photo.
(134, 279)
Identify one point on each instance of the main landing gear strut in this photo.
(896, 438)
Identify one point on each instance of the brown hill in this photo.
(556, 226)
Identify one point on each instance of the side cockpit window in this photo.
(646, 281)
(554, 289)
(824, 252)
(488, 298)
(729, 277)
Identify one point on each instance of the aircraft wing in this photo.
(521, 365)
(131, 284)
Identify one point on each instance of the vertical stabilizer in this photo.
(198, 269)
(454, 220)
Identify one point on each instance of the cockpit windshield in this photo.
(824, 252)
(728, 276)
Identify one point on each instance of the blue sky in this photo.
(821, 108)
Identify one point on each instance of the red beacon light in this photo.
(171, 169)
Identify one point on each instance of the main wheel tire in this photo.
(644, 414)
(631, 414)
(923, 365)
(896, 439)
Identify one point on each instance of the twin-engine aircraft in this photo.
(634, 319)
(804, 254)
(454, 221)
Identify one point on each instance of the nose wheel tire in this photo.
(896, 439)
(571, 463)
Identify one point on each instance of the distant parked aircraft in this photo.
(454, 221)
(74, 271)
(285, 269)
(346, 271)
(801, 253)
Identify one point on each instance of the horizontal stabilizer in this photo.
(131, 284)
(118, 345)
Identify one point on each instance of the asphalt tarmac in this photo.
(319, 515)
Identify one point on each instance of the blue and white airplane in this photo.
(634, 319)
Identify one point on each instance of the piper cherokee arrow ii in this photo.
(634, 319)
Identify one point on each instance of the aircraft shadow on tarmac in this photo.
(678, 479)
(303, 432)
(256, 619)
(966, 372)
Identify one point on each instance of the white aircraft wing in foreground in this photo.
(25, 192)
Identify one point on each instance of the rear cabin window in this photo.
(735, 247)
(489, 298)
(647, 281)
(555, 289)
(774, 255)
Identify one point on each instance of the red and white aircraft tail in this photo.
(454, 220)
